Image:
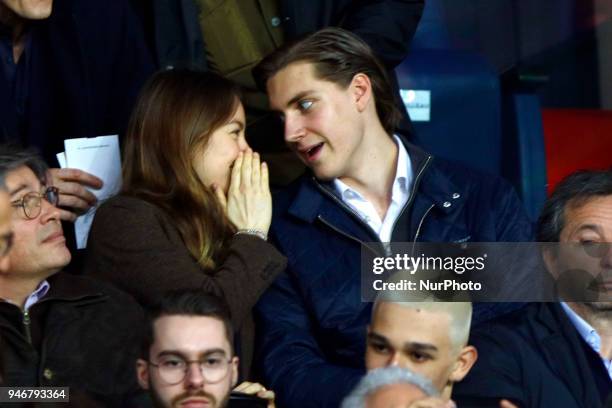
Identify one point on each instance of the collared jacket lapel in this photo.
(560, 344)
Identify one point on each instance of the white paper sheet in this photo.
(61, 159)
(99, 156)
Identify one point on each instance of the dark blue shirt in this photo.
(15, 75)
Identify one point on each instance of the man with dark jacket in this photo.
(68, 69)
(365, 184)
(58, 329)
(556, 354)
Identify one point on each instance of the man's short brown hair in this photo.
(337, 55)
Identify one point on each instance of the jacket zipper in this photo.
(320, 218)
(26, 326)
(358, 218)
(347, 208)
(418, 231)
(415, 185)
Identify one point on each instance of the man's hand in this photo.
(257, 389)
(74, 198)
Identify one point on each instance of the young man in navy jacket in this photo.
(364, 184)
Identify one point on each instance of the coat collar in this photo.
(561, 348)
(67, 287)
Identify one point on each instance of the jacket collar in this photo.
(430, 182)
(568, 363)
(67, 287)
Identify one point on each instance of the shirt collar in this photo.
(403, 177)
(403, 173)
(586, 331)
(41, 290)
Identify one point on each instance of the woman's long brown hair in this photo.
(174, 117)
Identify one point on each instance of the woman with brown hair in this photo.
(195, 206)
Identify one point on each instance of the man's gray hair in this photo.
(13, 157)
(382, 377)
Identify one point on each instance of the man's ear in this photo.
(234, 369)
(361, 87)
(142, 373)
(549, 254)
(466, 359)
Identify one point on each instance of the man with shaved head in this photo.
(430, 338)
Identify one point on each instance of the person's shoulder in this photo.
(464, 175)
(283, 197)
(125, 203)
(513, 329)
(75, 287)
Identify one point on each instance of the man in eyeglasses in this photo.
(58, 329)
(187, 356)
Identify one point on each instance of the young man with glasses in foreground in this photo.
(58, 330)
(187, 357)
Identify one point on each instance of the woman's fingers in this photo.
(265, 182)
(236, 173)
(247, 169)
(256, 174)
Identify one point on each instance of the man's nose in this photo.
(606, 260)
(48, 211)
(396, 359)
(294, 129)
(194, 377)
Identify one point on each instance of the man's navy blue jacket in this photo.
(87, 63)
(537, 359)
(312, 323)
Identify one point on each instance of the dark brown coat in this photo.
(135, 245)
(84, 334)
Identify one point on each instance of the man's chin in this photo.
(203, 398)
(322, 174)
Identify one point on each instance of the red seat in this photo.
(576, 139)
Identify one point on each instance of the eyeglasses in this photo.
(173, 369)
(31, 202)
(6, 242)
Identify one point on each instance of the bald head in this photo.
(429, 338)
